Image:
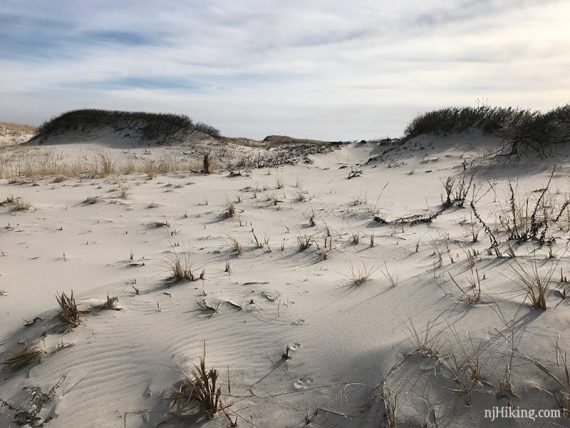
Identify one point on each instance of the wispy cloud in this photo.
(328, 69)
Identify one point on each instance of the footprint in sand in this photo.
(303, 383)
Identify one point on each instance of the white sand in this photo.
(344, 339)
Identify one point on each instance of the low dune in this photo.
(420, 281)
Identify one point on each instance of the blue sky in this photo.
(322, 68)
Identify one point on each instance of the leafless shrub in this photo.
(492, 238)
(456, 191)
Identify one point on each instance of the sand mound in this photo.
(120, 127)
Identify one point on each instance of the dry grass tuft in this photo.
(30, 412)
(124, 192)
(236, 246)
(180, 268)
(18, 204)
(90, 200)
(112, 304)
(229, 210)
(355, 238)
(25, 357)
(206, 163)
(304, 242)
(390, 400)
(427, 342)
(534, 283)
(68, 312)
(158, 224)
(199, 392)
(106, 163)
(361, 275)
(390, 275)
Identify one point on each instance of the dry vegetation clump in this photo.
(229, 210)
(150, 169)
(524, 225)
(236, 246)
(464, 363)
(124, 192)
(28, 414)
(91, 200)
(204, 306)
(304, 242)
(106, 164)
(68, 311)
(390, 400)
(456, 191)
(563, 380)
(111, 304)
(534, 283)
(180, 268)
(207, 129)
(206, 163)
(156, 224)
(522, 129)
(199, 392)
(17, 203)
(25, 357)
(473, 297)
(158, 127)
(427, 342)
(361, 275)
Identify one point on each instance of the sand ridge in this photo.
(351, 344)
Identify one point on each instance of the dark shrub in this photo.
(531, 129)
(151, 126)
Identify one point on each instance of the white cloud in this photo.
(326, 69)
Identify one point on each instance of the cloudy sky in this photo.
(321, 68)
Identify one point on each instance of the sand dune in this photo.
(344, 310)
